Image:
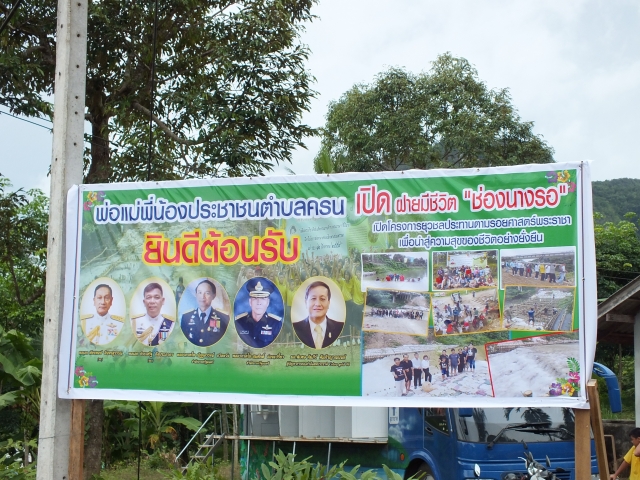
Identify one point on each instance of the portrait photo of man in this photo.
(101, 327)
(204, 325)
(153, 327)
(259, 325)
(317, 330)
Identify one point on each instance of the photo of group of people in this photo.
(398, 270)
(535, 267)
(466, 311)
(466, 269)
(469, 311)
(204, 311)
(396, 311)
(422, 365)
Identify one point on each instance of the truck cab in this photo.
(484, 443)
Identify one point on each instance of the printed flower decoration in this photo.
(567, 386)
(552, 177)
(83, 381)
(564, 176)
(93, 198)
(555, 390)
(92, 381)
(79, 371)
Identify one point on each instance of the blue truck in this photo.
(439, 443)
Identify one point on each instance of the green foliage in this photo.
(20, 374)
(286, 467)
(23, 242)
(12, 461)
(615, 198)
(230, 77)
(444, 118)
(573, 364)
(617, 254)
(160, 421)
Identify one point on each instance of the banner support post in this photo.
(56, 438)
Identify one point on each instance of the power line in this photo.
(28, 121)
(51, 129)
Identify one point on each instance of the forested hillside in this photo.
(614, 198)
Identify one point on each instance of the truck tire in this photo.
(424, 472)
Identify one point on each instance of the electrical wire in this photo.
(28, 121)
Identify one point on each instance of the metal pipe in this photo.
(196, 434)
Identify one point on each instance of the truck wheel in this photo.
(424, 472)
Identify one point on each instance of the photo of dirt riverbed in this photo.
(532, 366)
(396, 311)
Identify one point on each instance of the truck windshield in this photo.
(502, 425)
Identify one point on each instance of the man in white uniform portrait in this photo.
(102, 327)
(153, 328)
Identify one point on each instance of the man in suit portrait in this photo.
(205, 325)
(102, 327)
(152, 328)
(318, 330)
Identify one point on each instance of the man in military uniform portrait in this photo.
(317, 330)
(205, 325)
(258, 328)
(152, 328)
(102, 327)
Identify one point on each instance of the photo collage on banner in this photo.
(420, 285)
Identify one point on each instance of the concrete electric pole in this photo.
(66, 170)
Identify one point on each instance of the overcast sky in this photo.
(572, 67)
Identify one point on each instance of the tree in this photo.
(617, 254)
(23, 242)
(230, 78)
(441, 119)
(230, 84)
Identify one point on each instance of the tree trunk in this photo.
(236, 454)
(25, 460)
(93, 446)
(100, 169)
(225, 430)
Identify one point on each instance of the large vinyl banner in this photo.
(444, 288)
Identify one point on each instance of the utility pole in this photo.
(56, 439)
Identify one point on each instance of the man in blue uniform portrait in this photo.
(205, 325)
(259, 327)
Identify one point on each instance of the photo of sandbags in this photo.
(538, 309)
(396, 311)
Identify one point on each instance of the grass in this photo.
(154, 469)
(130, 472)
